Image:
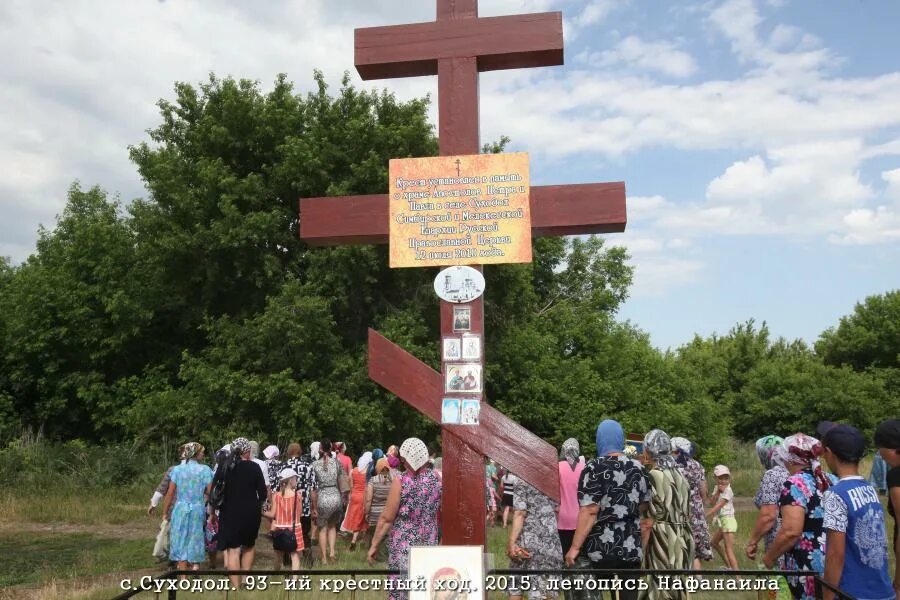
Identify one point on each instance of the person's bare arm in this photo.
(834, 560)
(765, 520)
(386, 520)
(587, 516)
(513, 550)
(270, 514)
(715, 509)
(646, 523)
(370, 493)
(792, 518)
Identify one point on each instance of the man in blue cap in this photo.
(856, 559)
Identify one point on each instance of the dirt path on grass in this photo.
(131, 531)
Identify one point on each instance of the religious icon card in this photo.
(452, 348)
(450, 411)
(470, 411)
(471, 347)
(462, 378)
(462, 318)
(447, 572)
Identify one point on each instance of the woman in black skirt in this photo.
(509, 482)
(241, 511)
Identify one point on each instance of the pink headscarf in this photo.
(801, 449)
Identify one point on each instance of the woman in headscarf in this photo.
(377, 490)
(531, 544)
(240, 513)
(612, 492)
(801, 536)
(768, 496)
(327, 503)
(189, 485)
(570, 469)
(355, 518)
(274, 466)
(683, 451)
(411, 512)
(377, 454)
(670, 543)
(311, 484)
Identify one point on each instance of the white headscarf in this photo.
(364, 461)
(415, 453)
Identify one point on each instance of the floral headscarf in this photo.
(241, 446)
(570, 452)
(191, 450)
(801, 449)
(683, 447)
(659, 447)
(766, 448)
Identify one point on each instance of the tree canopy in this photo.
(197, 312)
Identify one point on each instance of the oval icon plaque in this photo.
(459, 284)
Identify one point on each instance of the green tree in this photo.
(870, 337)
(793, 391)
(73, 318)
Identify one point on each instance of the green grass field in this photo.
(67, 545)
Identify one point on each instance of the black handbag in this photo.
(285, 540)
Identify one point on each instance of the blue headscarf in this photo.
(377, 453)
(610, 437)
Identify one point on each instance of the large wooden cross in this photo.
(456, 47)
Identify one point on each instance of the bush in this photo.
(31, 462)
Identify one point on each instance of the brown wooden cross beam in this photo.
(456, 47)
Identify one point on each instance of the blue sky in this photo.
(759, 139)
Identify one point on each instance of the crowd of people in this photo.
(623, 510)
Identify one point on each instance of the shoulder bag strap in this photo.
(294, 515)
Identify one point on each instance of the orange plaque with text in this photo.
(460, 210)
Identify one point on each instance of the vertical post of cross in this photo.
(458, 131)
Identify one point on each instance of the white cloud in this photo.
(593, 12)
(660, 264)
(645, 207)
(658, 56)
(83, 78)
(788, 49)
(892, 191)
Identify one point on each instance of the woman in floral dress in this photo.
(411, 512)
(801, 510)
(696, 476)
(188, 489)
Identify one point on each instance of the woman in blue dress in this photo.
(188, 490)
